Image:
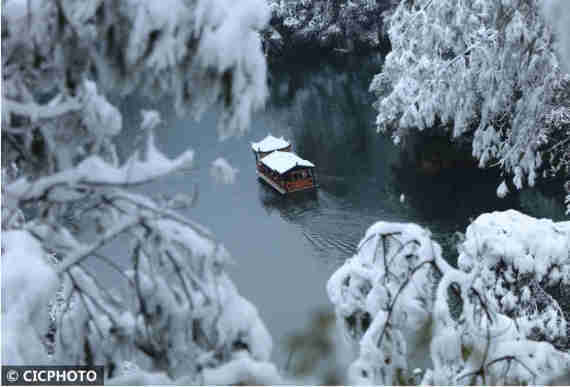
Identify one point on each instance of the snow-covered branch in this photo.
(96, 171)
(173, 312)
(35, 111)
(501, 318)
(488, 70)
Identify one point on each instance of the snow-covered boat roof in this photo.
(269, 144)
(282, 162)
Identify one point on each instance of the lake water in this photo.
(286, 248)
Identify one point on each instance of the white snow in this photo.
(28, 284)
(364, 289)
(429, 75)
(100, 117)
(398, 287)
(282, 162)
(222, 171)
(186, 236)
(529, 244)
(97, 171)
(502, 190)
(240, 320)
(201, 53)
(242, 371)
(35, 111)
(269, 144)
(150, 119)
(233, 44)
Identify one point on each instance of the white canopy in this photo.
(282, 162)
(269, 144)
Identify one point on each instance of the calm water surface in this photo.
(285, 248)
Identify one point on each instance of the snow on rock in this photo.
(28, 285)
(222, 171)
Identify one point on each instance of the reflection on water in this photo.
(363, 175)
(331, 118)
(286, 247)
(292, 205)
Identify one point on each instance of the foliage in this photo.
(488, 70)
(175, 315)
(327, 24)
(502, 317)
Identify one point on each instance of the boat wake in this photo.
(330, 246)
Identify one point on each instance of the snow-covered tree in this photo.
(326, 24)
(485, 69)
(501, 317)
(176, 317)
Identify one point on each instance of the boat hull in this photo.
(279, 188)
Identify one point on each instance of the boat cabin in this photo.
(269, 144)
(287, 172)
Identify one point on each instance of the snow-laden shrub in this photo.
(412, 314)
(173, 315)
(524, 264)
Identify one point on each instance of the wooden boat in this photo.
(282, 169)
(286, 172)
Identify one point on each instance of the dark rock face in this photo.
(318, 26)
